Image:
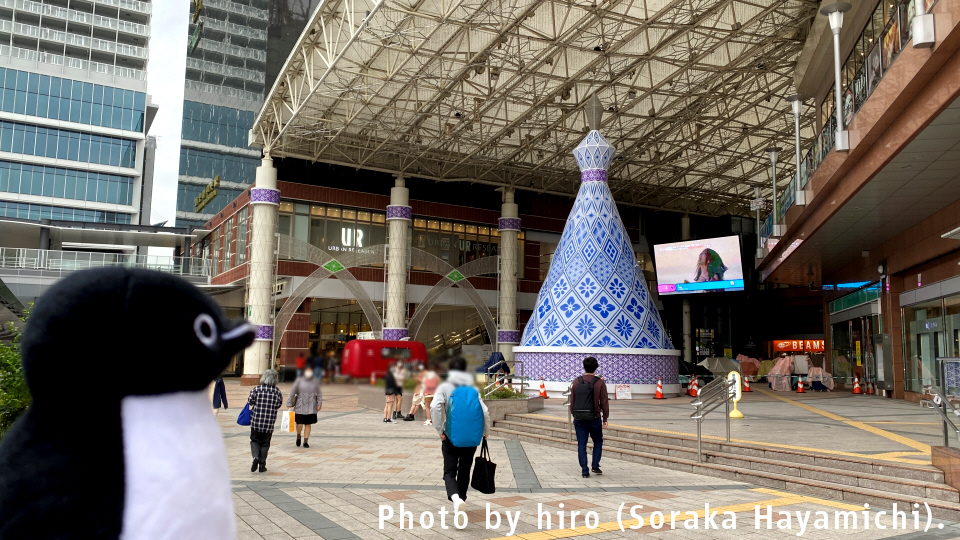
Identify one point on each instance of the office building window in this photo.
(38, 212)
(65, 183)
(72, 101)
(215, 124)
(209, 164)
(53, 143)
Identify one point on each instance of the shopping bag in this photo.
(484, 471)
(285, 421)
(244, 418)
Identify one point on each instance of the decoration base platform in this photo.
(640, 368)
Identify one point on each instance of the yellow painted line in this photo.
(781, 499)
(906, 441)
(904, 423)
(769, 444)
(806, 499)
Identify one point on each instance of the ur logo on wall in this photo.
(350, 237)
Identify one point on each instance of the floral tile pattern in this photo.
(616, 368)
(594, 295)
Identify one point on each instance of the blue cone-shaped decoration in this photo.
(595, 295)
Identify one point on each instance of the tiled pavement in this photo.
(334, 489)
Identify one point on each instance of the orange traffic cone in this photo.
(800, 389)
(870, 390)
(373, 378)
(659, 394)
(543, 390)
(746, 385)
(692, 388)
(856, 386)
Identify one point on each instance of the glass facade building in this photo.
(75, 74)
(243, 46)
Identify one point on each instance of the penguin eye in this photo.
(205, 329)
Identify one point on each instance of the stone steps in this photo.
(819, 481)
(796, 457)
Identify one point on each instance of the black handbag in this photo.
(484, 472)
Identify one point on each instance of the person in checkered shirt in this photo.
(265, 400)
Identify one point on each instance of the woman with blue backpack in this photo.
(462, 420)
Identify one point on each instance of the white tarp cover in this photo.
(720, 365)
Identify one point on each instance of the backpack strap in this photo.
(580, 378)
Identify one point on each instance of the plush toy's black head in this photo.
(128, 332)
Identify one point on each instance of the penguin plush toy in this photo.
(119, 441)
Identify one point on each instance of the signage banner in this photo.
(799, 345)
(622, 391)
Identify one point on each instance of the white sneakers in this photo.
(457, 501)
(428, 422)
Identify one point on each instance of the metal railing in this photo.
(68, 261)
(717, 393)
(516, 381)
(940, 403)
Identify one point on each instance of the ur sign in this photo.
(812, 345)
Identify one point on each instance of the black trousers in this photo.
(260, 444)
(456, 468)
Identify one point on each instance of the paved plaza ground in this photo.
(335, 489)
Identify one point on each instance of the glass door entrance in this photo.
(924, 342)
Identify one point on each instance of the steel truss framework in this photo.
(492, 91)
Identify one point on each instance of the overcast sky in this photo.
(165, 78)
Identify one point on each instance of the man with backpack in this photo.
(462, 420)
(588, 404)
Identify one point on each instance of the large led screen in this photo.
(697, 266)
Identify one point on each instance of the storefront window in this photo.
(347, 230)
(242, 236)
(924, 341)
(228, 244)
(951, 306)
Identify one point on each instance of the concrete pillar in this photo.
(265, 199)
(399, 215)
(509, 225)
(687, 330)
(44, 234)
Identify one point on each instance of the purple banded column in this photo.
(399, 215)
(265, 200)
(509, 225)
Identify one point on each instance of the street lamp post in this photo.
(835, 13)
(772, 153)
(796, 103)
(757, 203)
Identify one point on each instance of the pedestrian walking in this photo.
(264, 400)
(390, 390)
(588, 404)
(430, 383)
(316, 361)
(219, 395)
(306, 400)
(399, 375)
(301, 364)
(462, 420)
(417, 400)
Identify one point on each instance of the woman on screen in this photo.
(709, 267)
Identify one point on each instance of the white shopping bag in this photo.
(287, 422)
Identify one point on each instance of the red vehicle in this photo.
(361, 357)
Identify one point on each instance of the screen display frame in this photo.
(670, 286)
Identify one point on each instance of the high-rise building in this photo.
(240, 48)
(73, 109)
(224, 88)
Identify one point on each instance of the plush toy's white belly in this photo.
(176, 476)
